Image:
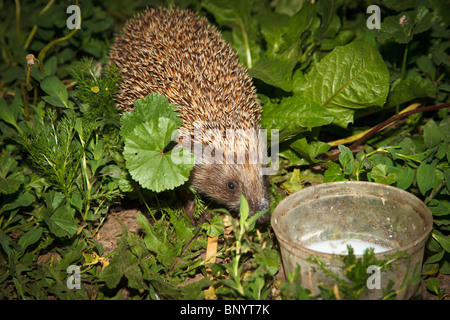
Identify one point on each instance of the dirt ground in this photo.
(111, 229)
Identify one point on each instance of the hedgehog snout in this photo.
(259, 206)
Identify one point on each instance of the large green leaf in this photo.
(350, 77)
(293, 115)
(148, 132)
(147, 160)
(309, 149)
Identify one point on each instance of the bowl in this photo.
(319, 222)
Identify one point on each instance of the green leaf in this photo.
(433, 285)
(350, 77)
(405, 25)
(405, 178)
(29, 238)
(76, 201)
(444, 128)
(294, 115)
(183, 229)
(311, 149)
(447, 178)
(22, 200)
(443, 240)
(425, 177)
(252, 220)
(285, 37)
(275, 72)
(57, 92)
(439, 208)
(153, 106)
(147, 160)
(164, 250)
(426, 65)
(214, 227)
(412, 87)
(244, 211)
(9, 181)
(148, 132)
(123, 263)
(346, 159)
(9, 247)
(380, 174)
(268, 260)
(435, 257)
(334, 173)
(431, 134)
(7, 115)
(61, 222)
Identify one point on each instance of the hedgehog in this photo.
(178, 54)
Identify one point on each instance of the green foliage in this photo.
(54, 150)
(97, 92)
(58, 181)
(156, 263)
(247, 244)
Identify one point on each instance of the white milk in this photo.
(340, 246)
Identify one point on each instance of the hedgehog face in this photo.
(225, 183)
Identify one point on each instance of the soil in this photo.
(111, 230)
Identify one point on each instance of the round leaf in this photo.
(149, 163)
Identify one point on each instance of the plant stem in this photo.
(33, 31)
(405, 55)
(434, 192)
(30, 37)
(385, 123)
(51, 44)
(247, 46)
(26, 107)
(302, 59)
(146, 205)
(21, 226)
(17, 19)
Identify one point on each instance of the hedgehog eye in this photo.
(231, 186)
